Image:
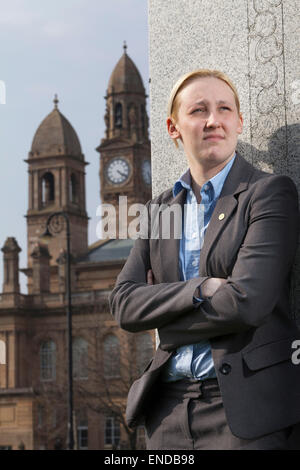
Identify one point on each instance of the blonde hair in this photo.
(189, 77)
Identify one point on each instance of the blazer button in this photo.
(225, 368)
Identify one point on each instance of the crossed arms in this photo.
(244, 300)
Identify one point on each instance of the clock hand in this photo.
(120, 173)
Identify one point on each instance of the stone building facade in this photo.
(33, 327)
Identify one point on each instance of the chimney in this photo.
(11, 252)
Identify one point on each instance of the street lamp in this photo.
(46, 236)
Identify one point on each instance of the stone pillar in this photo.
(255, 43)
(11, 252)
(40, 269)
(62, 272)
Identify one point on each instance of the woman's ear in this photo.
(241, 122)
(172, 129)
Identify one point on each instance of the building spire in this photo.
(125, 47)
(55, 101)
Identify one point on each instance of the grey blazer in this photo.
(247, 320)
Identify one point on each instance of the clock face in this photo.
(146, 171)
(117, 170)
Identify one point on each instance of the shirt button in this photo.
(195, 262)
(194, 235)
(206, 187)
(225, 368)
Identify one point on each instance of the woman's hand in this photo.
(150, 277)
(211, 285)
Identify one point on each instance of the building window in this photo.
(80, 358)
(112, 432)
(82, 430)
(73, 189)
(140, 438)
(111, 357)
(118, 115)
(48, 361)
(48, 189)
(144, 348)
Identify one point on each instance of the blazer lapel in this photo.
(236, 182)
(169, 247)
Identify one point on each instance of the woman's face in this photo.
(207, 122)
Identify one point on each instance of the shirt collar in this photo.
(213, 186)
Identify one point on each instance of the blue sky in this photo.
(68, 47)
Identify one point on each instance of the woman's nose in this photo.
(212, 120)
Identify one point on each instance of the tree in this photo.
(122, 358)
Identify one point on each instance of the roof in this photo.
(112, 250)
(56, 136)
(125, 77)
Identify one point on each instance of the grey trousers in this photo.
(189, 415)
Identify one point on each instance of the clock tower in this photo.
(125, 156)
(56, 168)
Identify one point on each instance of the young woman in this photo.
(222, 375)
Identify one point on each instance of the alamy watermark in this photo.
(2, 92)
(296, 353)
(139, 221)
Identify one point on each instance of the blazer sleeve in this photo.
(259, 275)
(137, 306)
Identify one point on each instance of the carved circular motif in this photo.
(57, 224)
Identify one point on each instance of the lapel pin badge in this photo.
(221, 216)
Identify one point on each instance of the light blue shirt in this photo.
(195, 360)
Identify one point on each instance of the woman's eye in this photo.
(199, 110)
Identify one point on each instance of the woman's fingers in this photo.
(211, 285)
(150, 278)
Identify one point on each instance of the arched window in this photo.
(48, 361)
(118, 115)
(73, 189)
(111, 357)
(48, 189)
(80, 358)
(144, 350)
